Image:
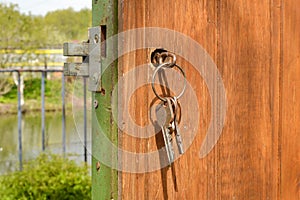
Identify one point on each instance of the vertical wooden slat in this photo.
(275, 93)
(290, 146)
(188, 178)
(247, 163)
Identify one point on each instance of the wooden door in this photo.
(256, 48)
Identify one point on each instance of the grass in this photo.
(32, 90)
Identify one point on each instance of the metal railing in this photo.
(43, 75)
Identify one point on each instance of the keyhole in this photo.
(159, 50)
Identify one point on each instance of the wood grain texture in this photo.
(290, 145)
(247, 162)
(189, 172)
(257, 156)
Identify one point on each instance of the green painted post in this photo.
(104, 178)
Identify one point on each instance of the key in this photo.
(176, 128)
(171, 126)
(178, 138)
(168, 142)
(164, 117)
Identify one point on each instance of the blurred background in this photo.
(32, 34)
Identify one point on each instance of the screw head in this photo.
(96, 38)
(95, 104)
(95, 78)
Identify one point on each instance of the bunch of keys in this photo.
(167, 110)
(166, 115)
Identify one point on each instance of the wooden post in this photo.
(255, 45)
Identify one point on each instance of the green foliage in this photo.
(32, 91)
(47, 177)
(6, 83)
(11, 96)
(20, 31)
(71, 24)
(29, 32)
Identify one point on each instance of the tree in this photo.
(71, 24)
(21, 35)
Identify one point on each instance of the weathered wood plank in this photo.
(190, 176)
(290, 141)
(247, 164)
(244, 38)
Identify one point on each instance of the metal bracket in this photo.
(91, 59)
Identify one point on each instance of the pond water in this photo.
(32, 138)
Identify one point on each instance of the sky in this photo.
(41, 7)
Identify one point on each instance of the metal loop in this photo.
(153, 80)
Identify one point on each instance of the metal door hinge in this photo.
(91, 59)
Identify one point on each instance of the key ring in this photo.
(153, 80)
